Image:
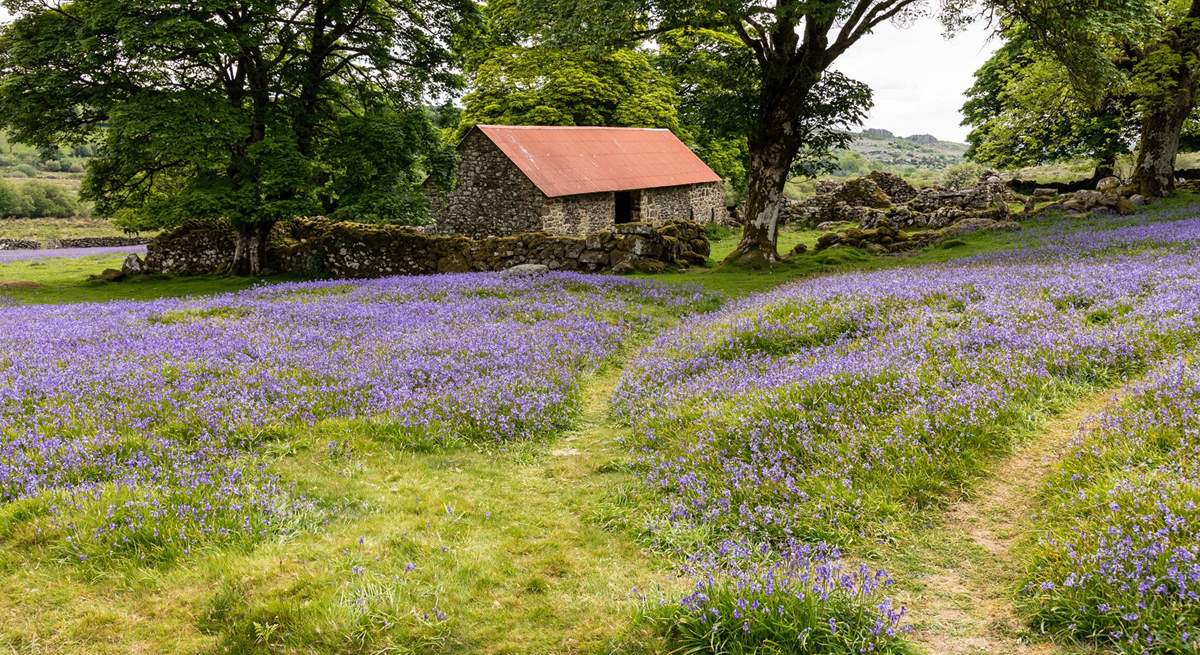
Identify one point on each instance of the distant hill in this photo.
(919, 158)
(917, 151)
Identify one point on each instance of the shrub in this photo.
(962, 176)
(718, 232)
(13, 203)
(48, 200)
(27, 170)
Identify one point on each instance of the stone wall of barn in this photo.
(700, 203)
(491, 196)
(579, 215)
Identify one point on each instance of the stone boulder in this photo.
(109, 275)
(1108, 185)
(133, 265)
(863, 192)
(896, 187)
(525, 270)
(974, 225)
(888, 239)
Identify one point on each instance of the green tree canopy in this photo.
(546, 85)
(1025, 111)
(246, 110)
(1149, 49)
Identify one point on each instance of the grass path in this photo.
(965, 568)
(502, 539)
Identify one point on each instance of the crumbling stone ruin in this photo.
(1109, 194)
(882, 199)
(882, 213)
(888, 239)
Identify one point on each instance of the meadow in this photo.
(1114, 559)
(800, 461)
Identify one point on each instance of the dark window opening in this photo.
(624, 204)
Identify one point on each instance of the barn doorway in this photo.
(626, 210)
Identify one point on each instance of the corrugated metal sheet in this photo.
(568, 161)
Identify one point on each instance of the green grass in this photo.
(501, 539)
(62, 280)
(45, 229)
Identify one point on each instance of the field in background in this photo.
(47, 229)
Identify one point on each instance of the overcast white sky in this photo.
(918, 76)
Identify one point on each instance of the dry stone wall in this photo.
(323, 248)
(81, 242)
(193, 249)
(100, 242)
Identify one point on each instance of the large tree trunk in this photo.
(250, 250)
(770, 160)
(1154, 175)
(1166, 112)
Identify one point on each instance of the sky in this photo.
(918, 76)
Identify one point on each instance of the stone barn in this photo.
(574, 181)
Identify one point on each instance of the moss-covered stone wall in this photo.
(317, 247)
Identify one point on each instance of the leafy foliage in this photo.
(35, 199)
(1143, 48)
(542, 85)
(228, 109)
(962, 176)
(1025, 111)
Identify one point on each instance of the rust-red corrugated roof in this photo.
(567, 161)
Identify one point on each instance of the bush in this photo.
(27, 170)
(962, 176)
(12, 202)
(718, 232)
(36, 200)
(49, 200)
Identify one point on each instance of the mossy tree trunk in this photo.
(1171, 69)
(250, 249)
(770, 161)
